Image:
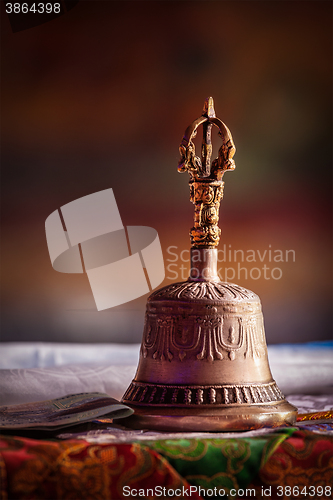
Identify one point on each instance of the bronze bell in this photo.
(203, 361)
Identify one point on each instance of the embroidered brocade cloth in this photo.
(76, 469)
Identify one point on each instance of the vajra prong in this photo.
(205, 177)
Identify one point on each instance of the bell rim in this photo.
(216, 420)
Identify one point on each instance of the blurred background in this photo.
(100, 97)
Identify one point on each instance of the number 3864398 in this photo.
(35, 8)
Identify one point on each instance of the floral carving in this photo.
(205, 290)
(207, 336)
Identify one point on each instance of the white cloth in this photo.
(38, 371)
(45, 354)
(38, 384)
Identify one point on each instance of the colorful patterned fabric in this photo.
(319, 415)
(74, 469)
(220, 463)
(301, 467)
(78, 470)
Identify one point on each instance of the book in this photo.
(58, 413)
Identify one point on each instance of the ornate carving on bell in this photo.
(203, 361)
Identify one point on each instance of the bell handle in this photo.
(189, 161)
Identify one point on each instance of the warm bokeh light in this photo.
(100, 97)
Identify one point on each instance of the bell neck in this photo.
(203, 265)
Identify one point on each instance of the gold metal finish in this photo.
(206, 185)
(203, 361)
(217, 419)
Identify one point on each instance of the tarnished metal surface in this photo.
(203, 361)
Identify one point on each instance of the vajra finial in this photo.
(206, 183)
